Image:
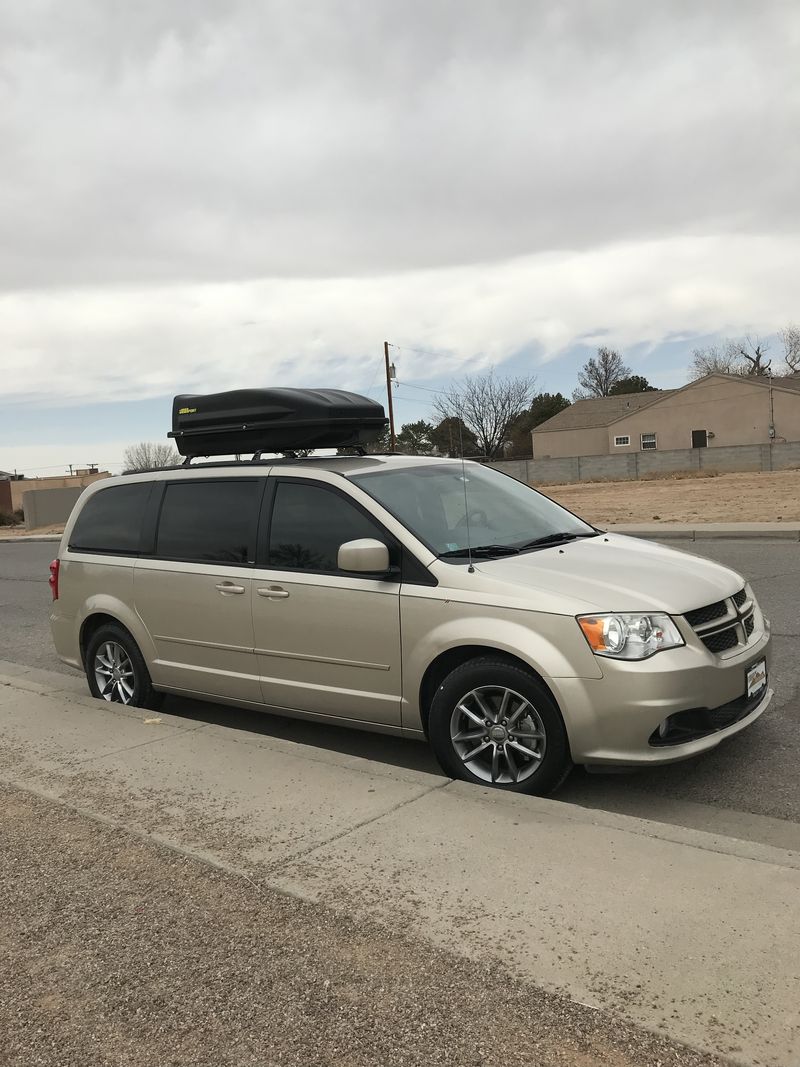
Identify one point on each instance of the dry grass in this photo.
(768, 497)
(23, 531)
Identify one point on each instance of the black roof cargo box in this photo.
(273, 420)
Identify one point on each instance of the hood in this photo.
(614, 573)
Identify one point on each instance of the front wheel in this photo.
(495, 724)
(116, 671)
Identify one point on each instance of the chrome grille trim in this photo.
(724, 625)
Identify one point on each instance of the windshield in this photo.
(505, 515)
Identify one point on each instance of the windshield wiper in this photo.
(556, 539)
(480, 550)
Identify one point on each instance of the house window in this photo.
(649, 441)
(624, 440)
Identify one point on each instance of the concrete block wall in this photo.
(732, 458)
(45, 507)
(782, 455)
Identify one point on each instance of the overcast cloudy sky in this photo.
(198, 195)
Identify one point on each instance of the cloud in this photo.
(175, 141)
(115, 344)
(196, 194)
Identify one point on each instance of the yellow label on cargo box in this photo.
(187, 411)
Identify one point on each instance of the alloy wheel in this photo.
(113, 673)
(498, 735)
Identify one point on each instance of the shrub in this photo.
(19, 515)
(6, 519)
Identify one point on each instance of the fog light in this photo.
(663, 729)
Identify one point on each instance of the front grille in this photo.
(731, 630)
(700, 616)
(721, 641)
(690, 725)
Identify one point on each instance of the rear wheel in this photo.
(495, 724)
(116, 671)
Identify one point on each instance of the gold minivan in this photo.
(431, 598)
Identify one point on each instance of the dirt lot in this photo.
(23, 531)
(767, 497)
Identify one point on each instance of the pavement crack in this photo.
(275, 867)
(143, 744)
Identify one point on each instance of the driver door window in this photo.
(309, 523)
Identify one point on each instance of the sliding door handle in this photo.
(229, 587)
(273, 592)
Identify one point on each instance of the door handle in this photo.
(273, 592)
(229, 587)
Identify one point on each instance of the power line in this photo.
(423, 388)
(419, 351)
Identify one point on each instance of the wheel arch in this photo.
(108, 611)
(454, 657)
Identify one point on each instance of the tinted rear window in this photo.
(111, 520)
(211, 521)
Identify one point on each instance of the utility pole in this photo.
(390, 373)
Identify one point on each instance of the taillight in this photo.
(53, 579)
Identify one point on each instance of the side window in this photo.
(309, 522)
(209, 521)
(111, 520)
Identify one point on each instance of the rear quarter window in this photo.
(111, 520)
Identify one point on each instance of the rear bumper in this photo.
(66, 639)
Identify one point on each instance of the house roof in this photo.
(601, 410)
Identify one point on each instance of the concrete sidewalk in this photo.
(691, 934)
(710, 531)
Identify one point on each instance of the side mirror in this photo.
(364, 556)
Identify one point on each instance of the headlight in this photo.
(629, 636)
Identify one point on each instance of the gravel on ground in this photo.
(115, 950)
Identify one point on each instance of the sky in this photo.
(206, 194)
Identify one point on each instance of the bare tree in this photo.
(149, 455)
(715, 359)
(487, 405)
(753, 354)
(598, 376)
(744, 357)
(790, 339)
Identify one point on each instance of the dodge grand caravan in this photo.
(430, 598)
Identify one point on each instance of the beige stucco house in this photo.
(714, 411)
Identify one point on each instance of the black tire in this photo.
(490, 677)
(142, 693)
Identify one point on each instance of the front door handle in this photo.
(273, 592)
(229, 587)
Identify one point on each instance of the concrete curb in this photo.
(710, 531)
(29, 538)
(49, 684)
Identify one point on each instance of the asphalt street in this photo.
(747, 787)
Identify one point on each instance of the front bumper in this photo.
(613, 720)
